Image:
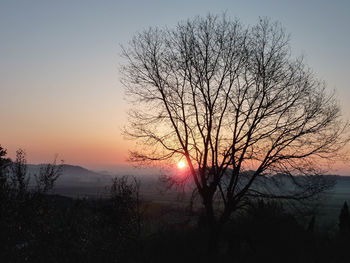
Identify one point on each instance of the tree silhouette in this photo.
(233, 102)
(4, 165)
(3, 160)
(48, 175)
(19, 178)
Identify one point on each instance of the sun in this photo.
(181, 164)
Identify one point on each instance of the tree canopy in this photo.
(235, 103)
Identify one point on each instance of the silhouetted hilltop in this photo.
(73, 175)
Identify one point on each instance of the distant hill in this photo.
(73, 175)
(76, 181)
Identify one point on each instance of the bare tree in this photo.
(15, 179)
(19, 178)
(236, 105)
(48, 175)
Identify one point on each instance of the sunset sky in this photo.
(60, 90)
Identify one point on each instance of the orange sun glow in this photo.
(181, 164)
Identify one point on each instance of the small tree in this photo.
(4, 162)
(4, 183)
(47, 177)
(4, 166)
(19, 177)
(233, 102)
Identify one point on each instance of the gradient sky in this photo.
(59, 61)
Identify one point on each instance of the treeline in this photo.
(38, 226)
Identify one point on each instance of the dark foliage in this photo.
(265, 232)
(40, 227)
(344, 220)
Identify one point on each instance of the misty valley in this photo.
(91, 216)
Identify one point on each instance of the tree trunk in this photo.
(214, 231)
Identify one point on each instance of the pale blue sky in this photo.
(59, 83)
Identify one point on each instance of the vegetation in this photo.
(37, 226)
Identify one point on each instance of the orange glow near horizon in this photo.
(87, 151)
